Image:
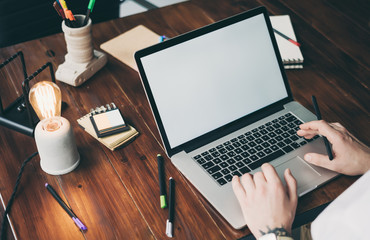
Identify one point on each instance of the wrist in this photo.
(272, 236)
(275, 234)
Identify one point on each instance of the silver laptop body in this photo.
(213, 86)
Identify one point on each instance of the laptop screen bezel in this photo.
(232, 126)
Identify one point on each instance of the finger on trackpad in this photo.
(302, 172)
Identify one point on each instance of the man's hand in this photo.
(265, 202)
(351, 157)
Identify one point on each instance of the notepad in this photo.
(291, 54)
(125, 45)
(113, 141)
(107, 120)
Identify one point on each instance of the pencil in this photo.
(287, 38)
(77, 221)
(318, 115)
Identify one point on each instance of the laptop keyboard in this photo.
(252, 149)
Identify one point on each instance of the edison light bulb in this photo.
(46, 99)
(53, 134)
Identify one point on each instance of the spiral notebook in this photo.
(107, 120)
(112, 141)
(291, 54)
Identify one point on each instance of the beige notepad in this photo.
(113, 141)
(125, 45)
(291, 54)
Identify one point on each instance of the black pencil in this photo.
(318, 115)
(77, 221)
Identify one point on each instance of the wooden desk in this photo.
(116, 194)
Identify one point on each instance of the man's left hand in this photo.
(267, 204)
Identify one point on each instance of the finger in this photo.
(270, 173)
(259, 179)
(307, 133)
(248, 183)
(307, 126)
(319, 160)
(322, 127)
(238, 190)
(291, 185)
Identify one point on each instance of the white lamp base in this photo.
(56, 145)
(59, 172)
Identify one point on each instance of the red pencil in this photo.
(287, 38)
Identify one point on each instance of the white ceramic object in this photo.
(81, 60)
(56, 146)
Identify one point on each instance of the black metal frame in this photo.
(19, 115)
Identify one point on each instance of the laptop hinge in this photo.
(229, 128)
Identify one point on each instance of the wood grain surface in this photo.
(116, 194)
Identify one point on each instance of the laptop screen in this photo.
(208, 81)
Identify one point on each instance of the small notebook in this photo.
(291, 54)
(125, 45)
(107, 120)
(113, 141)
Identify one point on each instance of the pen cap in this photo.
(78, 40)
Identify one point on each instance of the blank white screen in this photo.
(214, 79)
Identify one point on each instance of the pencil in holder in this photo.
(82, 61)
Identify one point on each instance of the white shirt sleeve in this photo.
(348, 216)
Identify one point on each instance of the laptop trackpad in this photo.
(303, 173)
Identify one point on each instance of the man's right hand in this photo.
(351, 157)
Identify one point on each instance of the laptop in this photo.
(223, 107)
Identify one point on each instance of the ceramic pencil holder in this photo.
(81, 60)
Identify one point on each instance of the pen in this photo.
(318, 115)
(66, 13)
(287, 38)
(65, 207)
(162, 185)
(171, 213)
(64, 5)
(162, 38)
(59, 10)
(89, 10)
(71, 18)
